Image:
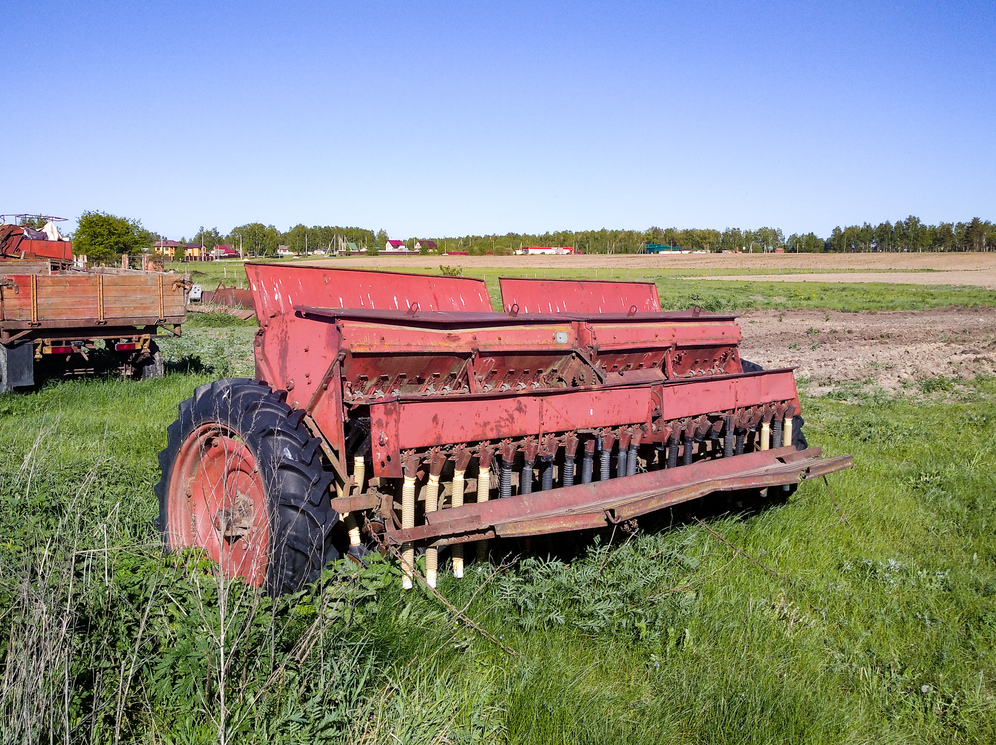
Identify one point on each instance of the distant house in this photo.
(224, 251)
(398, 248)
(663, 248)
(167, 248)
(191, 251)
(285, 251)
(195, 252)
(429, 246)
(548, 250)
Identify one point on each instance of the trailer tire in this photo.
(243, 479)
(153, 367)
(17, 366)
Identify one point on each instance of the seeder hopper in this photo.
(402, 412)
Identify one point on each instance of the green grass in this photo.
(872, 620)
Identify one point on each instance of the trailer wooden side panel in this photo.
(77, 298)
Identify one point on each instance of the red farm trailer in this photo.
(402, 411)
(53, 315)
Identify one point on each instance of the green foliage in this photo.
(451, 271)
(255, 239)
(912, 235)
(208, 238)
(103, 237)
(874, 624)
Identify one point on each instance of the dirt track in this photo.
(887, 348)
(905, 268)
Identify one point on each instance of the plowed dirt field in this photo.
(888, 349)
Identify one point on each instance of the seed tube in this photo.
(359, 472)
(570, 451)
(431, 505)
(546, 472)
(408, 521)
(484, 493)
(457, 549)
(587, 462)
(604, 456)
(505, 479)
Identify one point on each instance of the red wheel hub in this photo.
(217, 501)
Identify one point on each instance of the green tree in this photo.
(382, 238)
(104, 237)
(256, 239)
(208, 238)
(33, 222)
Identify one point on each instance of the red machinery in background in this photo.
(402, 410)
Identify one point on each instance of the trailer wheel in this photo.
(153, 367)
(17, 366)
(243, 479)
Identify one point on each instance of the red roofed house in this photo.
(398, 248)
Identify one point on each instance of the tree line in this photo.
(909, 234)
(257, 239)
(103, 237)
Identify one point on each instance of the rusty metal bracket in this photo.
(34, 300)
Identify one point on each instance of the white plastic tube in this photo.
(431, 504)
(457, 550)
(359, 470)
(483, 494)
(407, 521)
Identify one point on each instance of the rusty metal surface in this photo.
(229, 296)
(14, 244)
(411, 369)
(404, 423)
(277, 289)
(602, 503)
(577, 296)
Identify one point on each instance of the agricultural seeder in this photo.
(401, 412)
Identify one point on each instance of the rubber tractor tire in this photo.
(153, 366)
(243, 479)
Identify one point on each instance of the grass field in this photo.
(863, 610)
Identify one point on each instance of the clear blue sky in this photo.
(433, 119)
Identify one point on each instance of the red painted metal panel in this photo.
(686, 398)
(406, 423)
(401, 424)
(643, 334)
(412, 338)
(578, 296)
(278, 288)
(58, 250)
